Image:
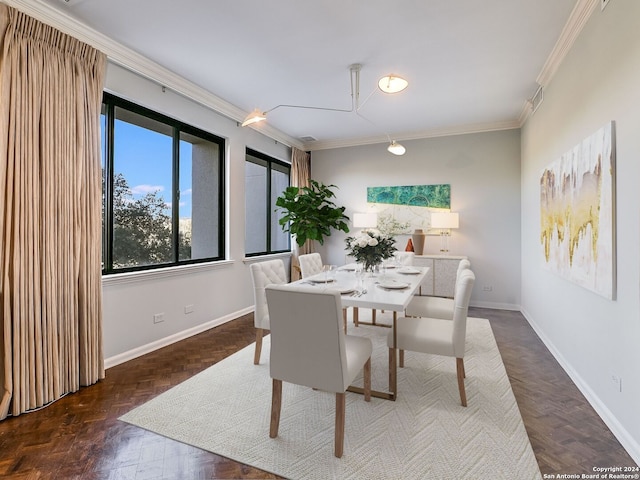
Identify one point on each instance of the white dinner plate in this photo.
(392, 284)
(409, 271)
(348, 268)
(321, 280)
(342, 288)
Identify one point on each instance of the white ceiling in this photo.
(470, 63)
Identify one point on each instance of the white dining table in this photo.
(392, 290)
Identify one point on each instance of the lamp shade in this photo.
(396, 148)
(392, 83)
(444, 220)
(365, 220)
(254, 117)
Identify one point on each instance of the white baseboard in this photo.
(176, 337)
(626, 440)
(497, 306)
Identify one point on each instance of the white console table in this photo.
(441, 279)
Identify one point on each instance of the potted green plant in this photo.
(309, 212)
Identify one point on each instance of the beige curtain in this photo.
(300, 175)
(50, 213)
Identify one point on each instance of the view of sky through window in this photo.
(143, 156)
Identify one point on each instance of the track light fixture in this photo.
(388, 84)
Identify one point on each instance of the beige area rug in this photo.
(425, 434)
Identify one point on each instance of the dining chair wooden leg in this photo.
(256, 356)
(392, 371)
(460, 370)
(344, 319)
(401, 358)
(367, 380)
(340, 414)
(355, 316)
(373, 316)
(276, 406)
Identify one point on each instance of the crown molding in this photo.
(577, 20)
(133, 61)
(437, 132)
(526, 112)
(273, 133)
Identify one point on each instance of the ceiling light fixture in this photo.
(392, 84)
(254, 117)
(258, 116)
(396, 148)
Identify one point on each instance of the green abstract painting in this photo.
(432, 196)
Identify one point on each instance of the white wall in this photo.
(484, 173)
(594, 338)
(219, 291)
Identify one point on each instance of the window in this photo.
(265, 179)
(162, 190)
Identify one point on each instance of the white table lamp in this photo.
(365, 220)
(445, 221)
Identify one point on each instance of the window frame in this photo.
(110, 102)
(270, 161)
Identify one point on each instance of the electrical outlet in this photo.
(487, 288)
(158, 318)
(188, 309)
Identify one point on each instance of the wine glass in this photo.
(359, 271)
(329, 272)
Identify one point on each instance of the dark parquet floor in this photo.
(80, 436)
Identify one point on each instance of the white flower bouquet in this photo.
(370, 247)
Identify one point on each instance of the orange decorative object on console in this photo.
(409, 247)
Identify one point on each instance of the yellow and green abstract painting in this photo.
(577, 214)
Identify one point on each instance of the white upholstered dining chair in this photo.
(404, 259)
(263, 274)
(309, 348)
(435, 307)
(310, 264)
(435, 335)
